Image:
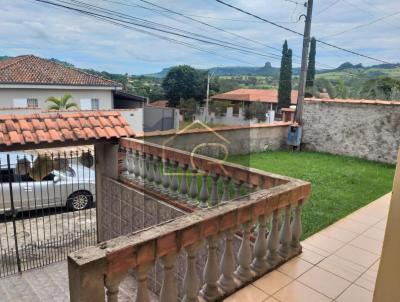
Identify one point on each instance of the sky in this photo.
(29, 27)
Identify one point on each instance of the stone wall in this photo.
(233, 139)
(364, 129)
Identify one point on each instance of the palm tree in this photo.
(62, 103)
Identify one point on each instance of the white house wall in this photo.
(7, 95)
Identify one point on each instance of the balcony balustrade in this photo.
(267, 215)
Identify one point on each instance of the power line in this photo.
(208, 25)
(123, 23)
(363, 25)
(300, 34)
(159, 27)
(327, 7)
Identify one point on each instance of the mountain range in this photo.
(392, 70)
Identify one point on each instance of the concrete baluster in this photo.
(243, 271)
(214, 190)
(225, 195)
(286, 235)
(193, 190)
(165, 176)
(191, 281)
(210, 276)
(151, 172)
(228, 264)
(169, 292)
(174, 180)
(112, 286)
(259, 263)
(238, 185)
(204, 192)
(142, 290)
(296, 228)
(136, 163)
(157, 175)
(184, 187)
(273, 257)
(130, 163)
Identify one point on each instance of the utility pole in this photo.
(208, 93)
(304, 64)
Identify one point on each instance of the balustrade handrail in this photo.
(105, 265)
(250, 176)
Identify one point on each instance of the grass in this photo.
(340, 184)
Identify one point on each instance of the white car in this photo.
(73, 187)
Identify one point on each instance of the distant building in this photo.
(28, 81)
(240, 98)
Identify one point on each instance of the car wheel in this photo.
(80, 200)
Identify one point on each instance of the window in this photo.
(26, 103)
(89, 104)
(95, 104)
(32, 103)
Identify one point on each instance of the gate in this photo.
(47, 207)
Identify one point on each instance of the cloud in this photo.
(29, 27)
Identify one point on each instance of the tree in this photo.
(285, 78)
(63, 103)
(184, 82)
(311, 64)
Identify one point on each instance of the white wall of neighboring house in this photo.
(16, 97)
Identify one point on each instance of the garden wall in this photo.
(233, 139)
(364, 129)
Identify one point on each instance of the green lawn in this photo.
(340, 184)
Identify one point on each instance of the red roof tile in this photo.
(253, 95)
(33, 70)
(61, 127)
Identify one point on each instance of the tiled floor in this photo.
(339, 264)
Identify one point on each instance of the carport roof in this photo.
(41, 130)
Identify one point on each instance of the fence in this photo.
(46, 207)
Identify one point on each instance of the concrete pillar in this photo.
(106, 157)
(86, 282)
(387, 287)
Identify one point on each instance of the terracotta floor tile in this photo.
(248, 294)
(324, 282)
(315, 249)
(339, 234)
(352, 225)
(357, 255)
(381, 225)
(295, 267)
(272, 282)
(375, 267)
(364, 218)
(355, 294)
(271, 299)
(297, 292)
(342, 267)
(375, 233)
(310, 256)
(368, 280)
(324, 243)
(368, 244)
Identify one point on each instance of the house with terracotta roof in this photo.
(28, 81)
(237, 106)
(242, 97)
